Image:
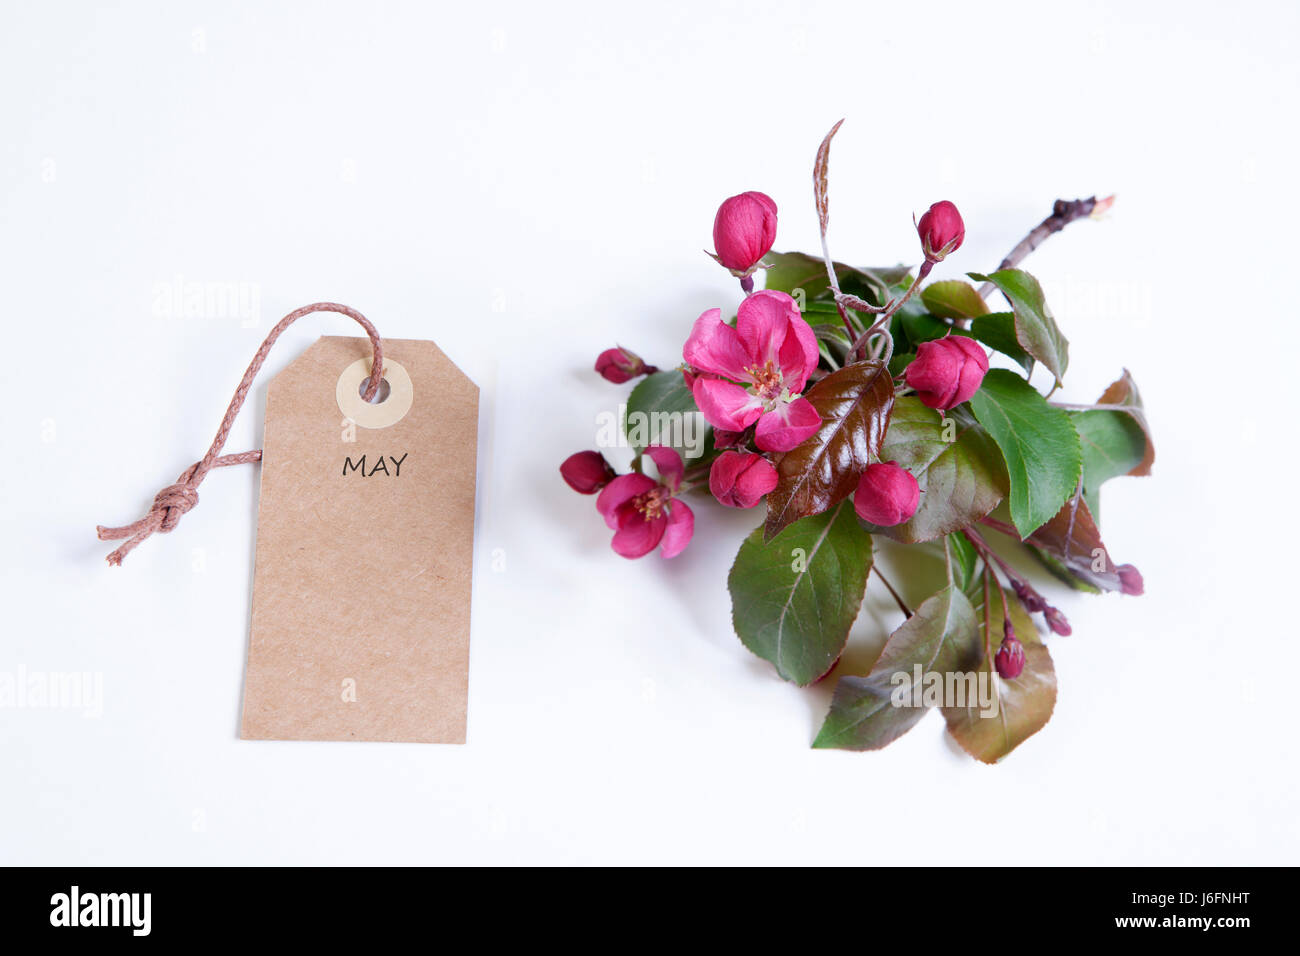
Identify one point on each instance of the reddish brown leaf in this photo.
(1123, 391)
(855, 403)
(819, 177)
(1072, 539)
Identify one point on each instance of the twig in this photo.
(1064, 212)
(897, 600)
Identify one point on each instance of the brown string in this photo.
(176, 499)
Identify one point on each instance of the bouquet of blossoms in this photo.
(860, 403)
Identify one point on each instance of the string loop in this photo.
(174, 501)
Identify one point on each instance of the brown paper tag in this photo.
(365, 537)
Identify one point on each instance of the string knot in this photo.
(173, 501)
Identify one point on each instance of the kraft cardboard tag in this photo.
(365, 538)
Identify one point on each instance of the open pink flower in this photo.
(756, 370)
(645, 513)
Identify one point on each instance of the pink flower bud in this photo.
(887, 495)
(743, 231)
(741, 479)
(618, 365)
(586, 472)
(947, 371)
(941, 231)
(1057, 622)
(1010, 658)
(1130, 579)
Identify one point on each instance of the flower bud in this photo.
(941, 231)
(741, 479)
(947, 371)
(1057, 622)
(1130, 579)
(618, 365)
(743, 231)
(1010, 658)
(887, 495)
(586, 472)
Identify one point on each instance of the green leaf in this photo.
(791, 271)
(662, 411)
(964, 559)
(942, 637)
(854, 403)
(794, 598)
(1036, 330)
(956, 464)
(1124, 392)
(1113, 444)
(1015, 709)
(998, 331)
(1038, 443)
(953, 299)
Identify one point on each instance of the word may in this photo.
(41, 690)
(102, 909)
(381, 465)
(953, 689)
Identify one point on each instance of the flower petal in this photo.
(669, 464)
(787, 425)
(726, 405)
(681, 525)
(762, 323)
(799, 354)
(618, 492)
(713, 347)
(637, 536)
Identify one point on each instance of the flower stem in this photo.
(897, 600)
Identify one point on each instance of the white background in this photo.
(528, 184)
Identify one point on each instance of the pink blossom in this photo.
(619, 365)
(743, 231)
(941, 230)
(947, 371)
(755, 371)
(887, 495)
(586, 472)
(645, 513)
(741, 479)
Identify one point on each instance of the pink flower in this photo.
(947, 371)
(586, 472)
(770, 352)
(644, 512)
(1010, 658)
(618, 365)
(1130, 579)
(741, 479)
(941, 231)
(743, 231)
(887, 495)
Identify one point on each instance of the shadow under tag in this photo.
(365, 543)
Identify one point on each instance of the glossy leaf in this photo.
(1036, 329)
(953, 299)
(794, 598)
(1038, 443)
(957, 466)
(942, 636)
(1023, 705)
(855, 404)
(1113, 444)
(998, 331)
(1124, 392)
